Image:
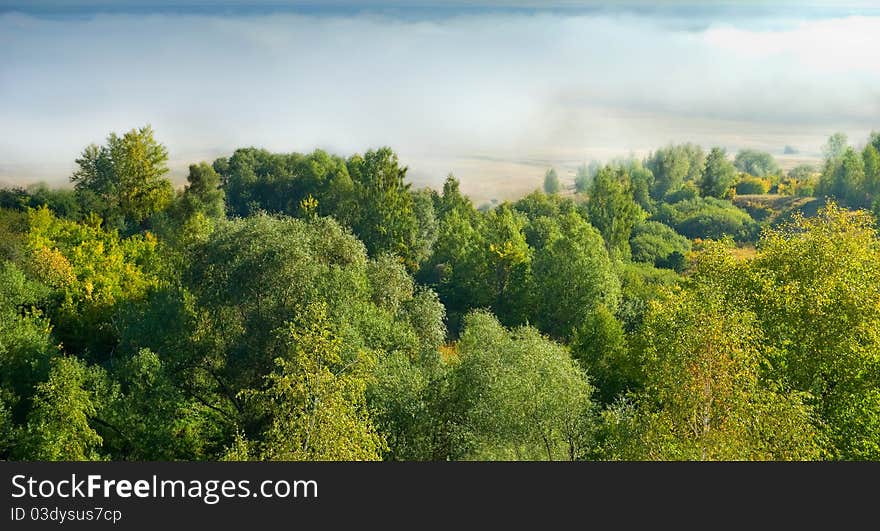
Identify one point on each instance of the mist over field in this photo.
(494, 95)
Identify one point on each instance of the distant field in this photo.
(787, 162)
(485, 179)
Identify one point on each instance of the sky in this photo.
(494, 92)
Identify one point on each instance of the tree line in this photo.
(315, 307)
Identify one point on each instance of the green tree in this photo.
(584, 176)
(660, 245)
(600, 345)
(641, 181)
(552, 185)
(836, 146)
(91, 273)
(612, 209)
(757, 163)
(572, 274)
(150, 416)
(313, 403)
(719, 175)
(521, 395)
(412, 407)
(203, 192)
(672, 166)
(707, 218)
(124, 180)
(816, 291)
(703, 397)
(871, 158)
(249, 280)
(457, 268)
(26, 350)
(843, 178)
(59, 426)
(385, 219)
(507, 255)
(747, 184)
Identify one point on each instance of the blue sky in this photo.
(494, 92)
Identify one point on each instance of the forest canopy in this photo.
(289, 306)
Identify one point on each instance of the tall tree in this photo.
(385, 219)
(672, 166)
(521, 396)
(313, 403)
(817, 294)
(835, 146)
(843, 178)
(572, 274)
(59, 426)
(203, 192)
(757, 163)
(719, 176)
(551, 182)
(124, 180)
(703, 397)
(612, 209)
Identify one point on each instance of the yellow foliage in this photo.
(50, 266)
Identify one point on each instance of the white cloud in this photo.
(552, 87)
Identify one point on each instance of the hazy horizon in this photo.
(495, 93)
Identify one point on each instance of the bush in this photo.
(658, 244)
(688, 191)
(749, 184)
(708, 218)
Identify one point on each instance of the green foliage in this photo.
(26, 349)
(58, 426)
(707, 218)
(672, 166)
(641, 182)
(521, 395)
(703, 398)
(255, 179)
(61, 201)
(871, 157)
(658, 244)
(640, 284)
(457, 269)
(584, 176)
(410, 404)
(124, 180)
(150, 417)
(748, 185)
(801, 181)
(572, 274)
(612, 209)
(843, 178)
(538, 204)
(296, 330)
(836, 146)
(248, 279)
(600, 346)
(313, 404)
(552, 186)
(90, 272)
(384, 217)
(756, 163)
(203, 193)
(719, 175)
(816, 287)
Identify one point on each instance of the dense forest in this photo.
(313, 307)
